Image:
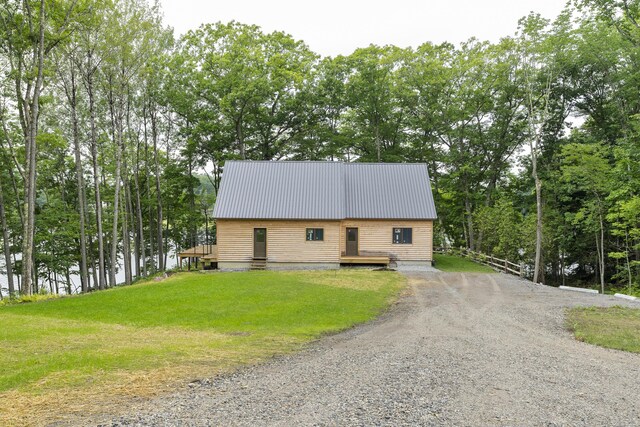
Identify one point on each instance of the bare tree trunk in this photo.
(152, 252)
(96, 177)
(538, 274)
(143, 249)
(600, 250)
(378, 141)
(71, 94)
(166, 241)
(117, 130)
(160, 240)
(469, 218)
(126, 238)
(28, 270)
(562, 268)
(240, 137)
(192, 205)
(6, 244)
(628, 262)
(92, 263)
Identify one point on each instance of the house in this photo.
(288, 214)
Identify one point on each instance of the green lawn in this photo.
(134, 340)
(453, 263)
(611, 327)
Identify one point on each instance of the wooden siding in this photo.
(376, 236)
(286, 241)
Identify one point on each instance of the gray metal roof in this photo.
(324, 190)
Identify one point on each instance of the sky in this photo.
(338, 27)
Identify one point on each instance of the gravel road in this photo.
(457, 349)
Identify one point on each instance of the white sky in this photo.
(332, 27)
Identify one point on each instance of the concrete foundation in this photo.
(235, 266)
(414, 263)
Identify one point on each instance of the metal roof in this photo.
(324, 190)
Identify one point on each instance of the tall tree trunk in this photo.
(143, 249)
(240, 137)
(377, 141)
(6, 244)
(147, 181)
(126, 238)
(160, 240)
(166, 240)
(80, 183)
(469, 218)
(28, 268)
(117, 130)
(148, 190)
(92, 263)
(601, 258)
(192, 205)
(96, 177)
(538, 273)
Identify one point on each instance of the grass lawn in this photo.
(454, 264)
(611, 327)
(83, 353)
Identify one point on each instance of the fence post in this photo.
(506, 269)
(522, 269)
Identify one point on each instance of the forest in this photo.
(114, 134)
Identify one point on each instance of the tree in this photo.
(30, 33)
(586, 168)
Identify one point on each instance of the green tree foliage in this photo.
(531, 142)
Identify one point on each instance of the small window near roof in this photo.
(314, 234)
(402, 236)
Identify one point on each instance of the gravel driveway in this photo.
(458, 349)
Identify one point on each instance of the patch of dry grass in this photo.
(72, 358)
(121, 364)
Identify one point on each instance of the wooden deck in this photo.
(365, 260)
(204, 254)
(207, 254)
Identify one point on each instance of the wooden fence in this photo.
(503, 265)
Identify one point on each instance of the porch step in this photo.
(258, 264)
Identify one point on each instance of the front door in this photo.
(352, 242)
(259, 242)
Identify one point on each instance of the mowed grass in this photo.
(457, 264)
(611, 327)
(77, 354)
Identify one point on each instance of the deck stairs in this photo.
(258, 264)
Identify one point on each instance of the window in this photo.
(402, 236)
(314, 234)
(260, 235)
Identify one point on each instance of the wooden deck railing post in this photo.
(498, 263)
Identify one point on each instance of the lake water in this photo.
(75, 279)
